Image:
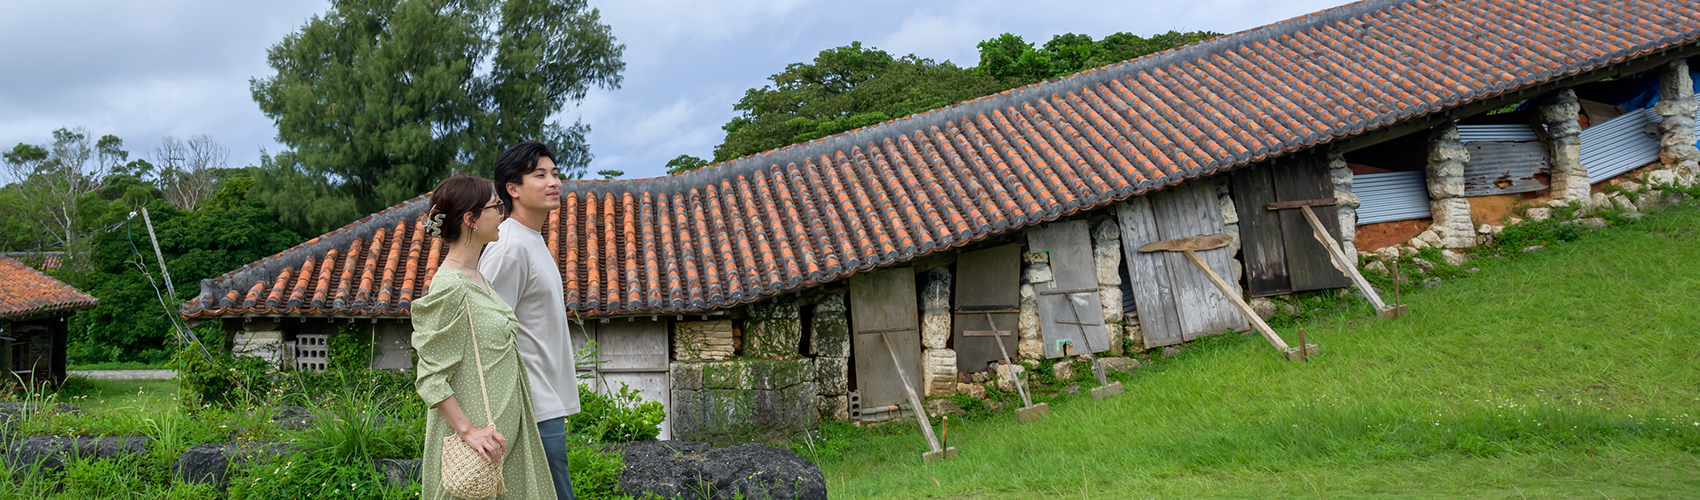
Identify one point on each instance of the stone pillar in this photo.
(774, 330)
(938, 364)
(725, 400)
(1230, 224)
(829, 341)
(263, 339)
(1445, 171)
(1347, 209)
(1107, 255)
(1036, 269)
(702, 340)
(1569, 176)
(1676, 133)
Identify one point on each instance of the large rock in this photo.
(1115, 364)
(11, 414)
(696, 471)
(292, 418)
(398, 471)
(212, 463)
(52, 452)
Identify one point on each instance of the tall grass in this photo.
(1567, 372)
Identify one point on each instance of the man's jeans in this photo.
(554, 434)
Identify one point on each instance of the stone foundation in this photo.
(1340, 174)
(938, 373)
(727, 400)
(1036, 270)
(829, 341)
(1445, 171)
(1107, 256)
(774, 330)
(702, 340)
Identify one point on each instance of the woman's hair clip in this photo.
(434, 225)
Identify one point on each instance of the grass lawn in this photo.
(1570, 372)
(106, 396)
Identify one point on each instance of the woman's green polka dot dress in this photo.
(444, 342)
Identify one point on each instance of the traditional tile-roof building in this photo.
(1076, 172)
(33, 308)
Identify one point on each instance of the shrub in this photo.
(621, 417)
(223, 380)
(596, 474)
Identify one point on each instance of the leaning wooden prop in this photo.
(938, 453)
(1189, 246)
(1337, 256)
(1028, 411)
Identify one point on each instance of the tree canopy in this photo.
(849, 87)
(377, 100)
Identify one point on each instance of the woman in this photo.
(464, 212)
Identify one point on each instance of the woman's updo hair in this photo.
(453, 198)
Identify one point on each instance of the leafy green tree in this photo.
(685, 163)
(131, 324)
(379, 99)
(1011, 58)
(842, 89)
(610, 174)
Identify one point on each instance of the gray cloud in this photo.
(143, 71)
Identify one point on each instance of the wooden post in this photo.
(1028, 411)
(1105, 389)
(1187, 246)
(920, 411)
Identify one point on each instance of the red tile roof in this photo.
(810, 213)
(26, 293)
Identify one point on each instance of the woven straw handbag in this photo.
(465, 473)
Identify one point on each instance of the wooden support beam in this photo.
(1282, 205)
(1338, 257)
(915, 401)
(1227, 291)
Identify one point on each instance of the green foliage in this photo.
(351, 348)
(305, 474)
(379, 100)
(844, 88)
(610, 174)
(595, 474)
(224, 380)
(685, 163)
(131, 323)
(1009, 57)
(621, 417)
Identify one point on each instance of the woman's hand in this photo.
(487, 441)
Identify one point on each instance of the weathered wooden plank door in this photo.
(883, 302)
(634, 353)
(1176, 301)
(988, 285)
(1300, 263)
(1069, 308)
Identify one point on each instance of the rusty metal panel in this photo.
(883, 302)
(1505, 168)
(1069, 308)
(988, 283)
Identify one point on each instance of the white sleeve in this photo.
(505, 269)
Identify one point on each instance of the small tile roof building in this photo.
(33, 308)
(790, 225)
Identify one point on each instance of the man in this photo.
(522, 272)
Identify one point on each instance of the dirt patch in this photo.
(1372, 237)
(1493, 209)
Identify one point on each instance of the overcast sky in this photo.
(146, 70)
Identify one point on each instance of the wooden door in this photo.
(988, 299)
(633, 352)
(1176, 300)
(1069, 307)
(1281, 254)
(883, 302)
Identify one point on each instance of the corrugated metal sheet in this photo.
(1505, 168)
(1391, 196)
(1496, 133)
(1619, 145)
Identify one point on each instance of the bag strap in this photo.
(489, 418)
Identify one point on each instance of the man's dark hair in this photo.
(514, 164)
